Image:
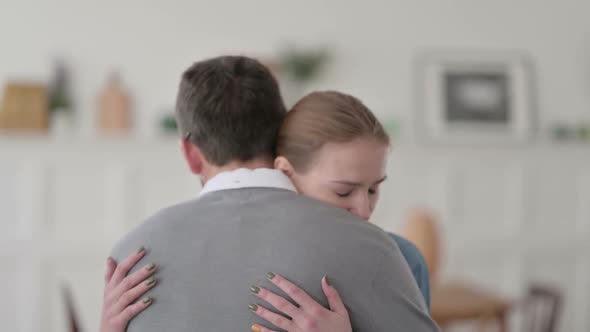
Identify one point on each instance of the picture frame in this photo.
(475, 98)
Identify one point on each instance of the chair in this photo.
(452, 302)
(542, 309)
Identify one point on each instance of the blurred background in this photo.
(487, 102)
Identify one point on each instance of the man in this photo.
(249, 220)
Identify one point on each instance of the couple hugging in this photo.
(278, 238)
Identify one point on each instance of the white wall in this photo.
(375, 43)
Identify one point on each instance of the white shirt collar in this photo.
(248, 178)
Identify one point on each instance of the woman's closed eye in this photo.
(344, 194)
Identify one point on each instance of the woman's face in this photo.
(346, 175)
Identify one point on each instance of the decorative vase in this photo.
(114, 108)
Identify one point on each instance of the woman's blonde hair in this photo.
(325, 117)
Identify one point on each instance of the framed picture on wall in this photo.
(474, 98)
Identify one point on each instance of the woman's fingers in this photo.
(134, 309)
(333, 297)
(124, 267)
(278, 302)
(297, 294)
(131, 295)
(309, 316)
(134, 279)
(122, 290)
(111, 265)
(275, 319)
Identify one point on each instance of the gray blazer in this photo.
(211, 250)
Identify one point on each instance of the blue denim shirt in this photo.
(417, 265)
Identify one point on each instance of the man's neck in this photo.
(210, 171)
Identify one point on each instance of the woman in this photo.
(334, 150)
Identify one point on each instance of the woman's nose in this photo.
(362, 208)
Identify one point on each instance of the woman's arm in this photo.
(120, 292)
(310, 316)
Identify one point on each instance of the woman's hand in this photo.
(121, 291)
(310, 316)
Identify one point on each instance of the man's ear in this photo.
(285, 166)
(193, 156)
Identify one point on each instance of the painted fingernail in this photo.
(147, 300)
(253, 307)
(254, 289)
(150, 281)
(140, 250)
(150, 266)
(270, 275)
(328, 282)
(256, 328)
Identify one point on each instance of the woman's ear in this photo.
(285, 166)
(193, 156)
